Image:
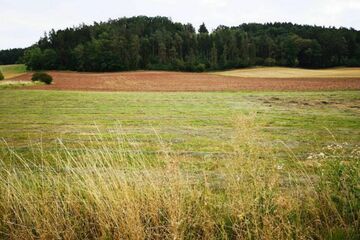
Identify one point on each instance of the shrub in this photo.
(1, 76)
(352, 62)
(259, 61)
(200, 67)
(42, 77)
(270, 62)
(179, 65)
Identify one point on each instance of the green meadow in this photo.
(189, 122)
(220, 165)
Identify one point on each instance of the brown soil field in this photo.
(148, 81)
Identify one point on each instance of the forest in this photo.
(11, 56)
(158, 43)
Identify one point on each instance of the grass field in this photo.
(190, 122)
(220, 165)
(282, 72)
(11, 71)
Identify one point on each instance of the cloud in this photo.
(23, 22)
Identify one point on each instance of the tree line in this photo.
(11, 56)
(157, 43)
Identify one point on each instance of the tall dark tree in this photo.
(214, 57)
(134, 52)
(203, 29)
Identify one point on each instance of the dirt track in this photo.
(176, 81)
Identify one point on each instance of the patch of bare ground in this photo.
(152, 81)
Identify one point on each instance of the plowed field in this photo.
(148, 81)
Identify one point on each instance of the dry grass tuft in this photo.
(110, 194)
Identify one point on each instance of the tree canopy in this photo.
(11, 56)
(157, 43)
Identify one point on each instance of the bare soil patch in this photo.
(178, 81)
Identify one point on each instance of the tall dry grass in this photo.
(109, 193)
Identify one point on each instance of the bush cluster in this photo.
(1, 76)
(42, 77)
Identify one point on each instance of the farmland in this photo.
(180, 160)
(161, 81)
(191, 122)
(154, 128)
(282, 72)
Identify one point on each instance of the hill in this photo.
(157, 43)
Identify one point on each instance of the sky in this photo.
(23, 22)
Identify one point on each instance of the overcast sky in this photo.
(23, 22)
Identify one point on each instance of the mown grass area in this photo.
(14, 70)
(190, 122)
(245, 165)
(283, 72)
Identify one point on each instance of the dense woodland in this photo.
(158, 43)
(11, 56)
